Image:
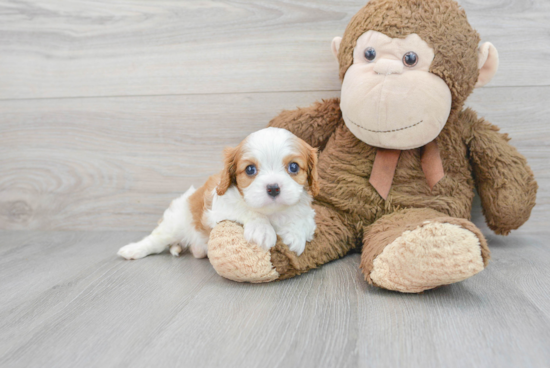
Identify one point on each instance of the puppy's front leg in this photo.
(295, 240)
(260, 231)
(296, 228)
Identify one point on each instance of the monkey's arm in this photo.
(314, 124)
(503, 178)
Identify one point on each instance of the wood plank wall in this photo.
(109, 109)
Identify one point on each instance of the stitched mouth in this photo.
(384, 131)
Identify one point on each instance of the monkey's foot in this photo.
(436, 252)
(235, 259)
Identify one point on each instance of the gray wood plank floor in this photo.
(67, 301)
(109, 109)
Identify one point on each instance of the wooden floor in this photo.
(67, 301)
(109, 109)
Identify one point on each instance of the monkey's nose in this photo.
(273, 190)
(387, 67)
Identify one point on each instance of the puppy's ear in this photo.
(312, 176)
(228, 172)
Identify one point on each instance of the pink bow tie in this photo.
(385, 163)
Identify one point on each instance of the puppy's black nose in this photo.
(273, 190)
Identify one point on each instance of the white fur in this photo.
(295, 224)
(175, 228)
(288, 215)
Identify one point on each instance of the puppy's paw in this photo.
(295, 242)
(176, 250)
(199, 251)
(260, 233)
(133, 251)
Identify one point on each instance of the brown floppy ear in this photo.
(312, 176)
(228, 172)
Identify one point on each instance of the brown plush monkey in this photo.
(399, 157)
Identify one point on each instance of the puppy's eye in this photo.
(410, 59)
(251, 170)
(293, 168)
(370, 53)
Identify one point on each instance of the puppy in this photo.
(267, 185)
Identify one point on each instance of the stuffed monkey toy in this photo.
(399, 157)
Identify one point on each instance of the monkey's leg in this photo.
(234, 258)
(419, 249)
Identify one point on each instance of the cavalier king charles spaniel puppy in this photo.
(267, 185)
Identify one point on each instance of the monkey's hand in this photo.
(503, 178)
(314, 124)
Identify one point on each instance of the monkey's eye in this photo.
(410, 59)
(293, 168)
(370, 53)
(251, 170)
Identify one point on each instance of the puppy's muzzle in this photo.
(273, 190)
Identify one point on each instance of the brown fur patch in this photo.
(234, 171)
(228, 175)
(242, 179)
(301, 176)
(307, 159)
(200, 201)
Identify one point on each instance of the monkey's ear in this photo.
(488, 63)
(336, 46)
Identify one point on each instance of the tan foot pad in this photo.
(432, 255)
(235, 259)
